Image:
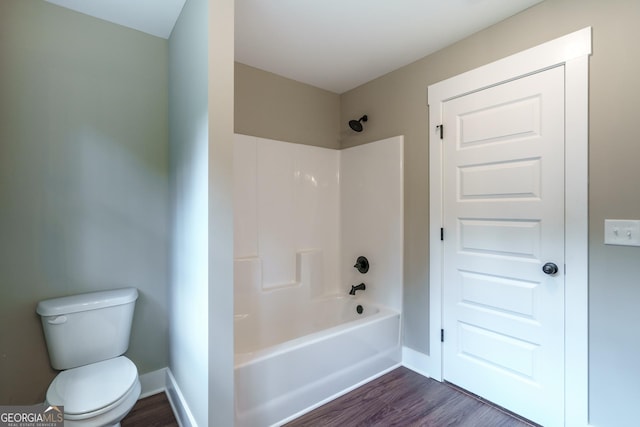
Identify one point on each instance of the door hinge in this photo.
(440, 128)
(441, 233)
(441, 335)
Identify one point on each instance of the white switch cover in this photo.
(621, 232)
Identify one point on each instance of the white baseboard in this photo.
(162, 381)
(416, 361)
(178, 403)
(153, 382)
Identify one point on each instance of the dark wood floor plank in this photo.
(489, 416)
(419, 402)
(455, 411)
(403, 398)
(354, 409)
(152, 411)
(403, 384)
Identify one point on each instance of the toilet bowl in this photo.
(86, 337)
(96, 395)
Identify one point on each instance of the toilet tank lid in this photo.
(87, 301)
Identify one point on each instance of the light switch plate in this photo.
(623, 232)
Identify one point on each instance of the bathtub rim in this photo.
(384, 312)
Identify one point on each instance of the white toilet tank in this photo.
(87, 328)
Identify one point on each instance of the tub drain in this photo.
(359, 309)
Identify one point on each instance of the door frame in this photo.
(571, 51)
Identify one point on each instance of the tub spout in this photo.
(354, 288)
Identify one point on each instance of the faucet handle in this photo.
(362, 264)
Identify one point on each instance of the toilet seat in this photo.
(93, 389)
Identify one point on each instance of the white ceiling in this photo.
(332, 44)
(155, 17)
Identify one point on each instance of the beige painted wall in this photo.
(83, 180)
(396, 104)
(271, 106)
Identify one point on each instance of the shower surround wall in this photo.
(304, 214)
(371, 213)
(286, 203)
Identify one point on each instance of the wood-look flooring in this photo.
(404, 398)
(152, 411)
(400, 398)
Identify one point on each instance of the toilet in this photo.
(86, 337)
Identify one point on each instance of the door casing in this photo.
(571, 51)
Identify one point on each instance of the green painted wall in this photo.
(83, 180)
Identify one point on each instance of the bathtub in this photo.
(291, 358)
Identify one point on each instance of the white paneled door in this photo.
(503, 301)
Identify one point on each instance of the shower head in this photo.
(356, 125)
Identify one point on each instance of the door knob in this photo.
(550, 268)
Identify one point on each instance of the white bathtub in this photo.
(292, 358)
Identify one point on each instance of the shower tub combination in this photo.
(291, 358)
(302, 216)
